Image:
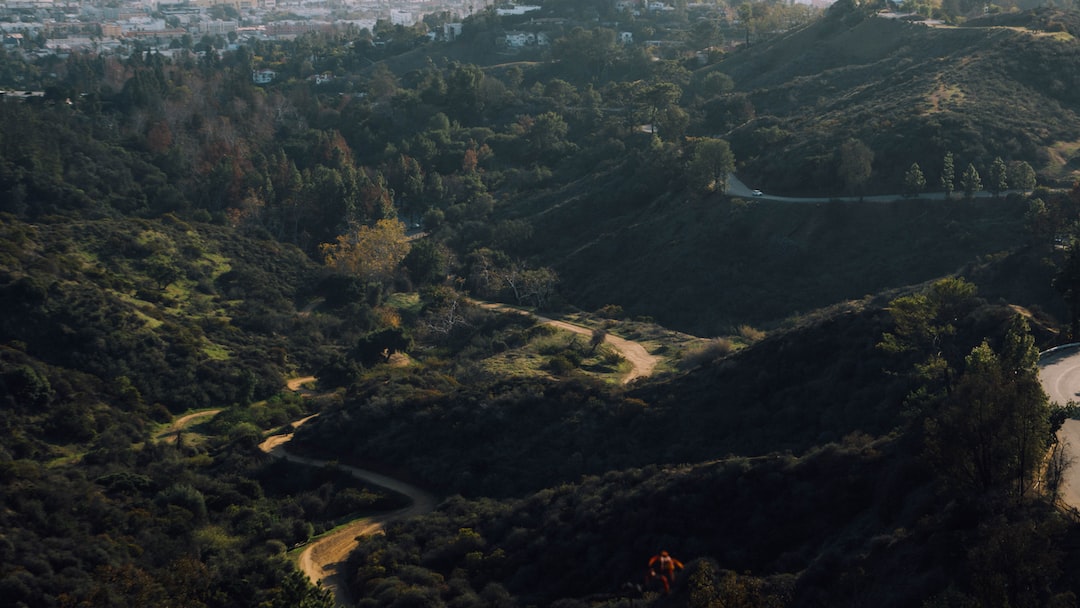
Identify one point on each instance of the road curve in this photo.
(322, 557)
(737, 188)
(1059, 374)
(642, 363)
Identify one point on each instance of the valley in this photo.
(487, 307)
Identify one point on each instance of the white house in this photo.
(263, 76)
(520, 40)
(516, 10)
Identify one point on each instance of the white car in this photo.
(756, 192)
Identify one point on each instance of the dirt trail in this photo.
(297, 385)
(169, 434)
(642, 363)
(323, 556)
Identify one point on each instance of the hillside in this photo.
(911, 93)
(111, 329)
(796, 471)
(706, 266)
(178, 243)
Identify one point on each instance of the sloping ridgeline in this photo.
(999, 86)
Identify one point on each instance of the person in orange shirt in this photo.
(662, 566)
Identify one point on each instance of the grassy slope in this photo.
(911, 93)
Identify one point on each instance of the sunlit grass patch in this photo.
(215, 352)
(1062, 159)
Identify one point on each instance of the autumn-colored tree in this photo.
(370, 252)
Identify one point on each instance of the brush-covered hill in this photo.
(996, 87)
(158, 254)
(706, 266)
(633, 235)
(112, 328)
(800, 471)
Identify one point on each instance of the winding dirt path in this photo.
(323, 557)
(170, 433)
(642, 363)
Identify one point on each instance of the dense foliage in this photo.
(175, 238)
(110, 326)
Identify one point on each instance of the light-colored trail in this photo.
(642, 363)
(169, 434)
(323, 558)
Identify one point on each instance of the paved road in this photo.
(737, 188)
(1059, 372)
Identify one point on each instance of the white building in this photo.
(520, 40)
(263, 76)
(516, 10)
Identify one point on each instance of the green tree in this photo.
(1022, 176)
(856, 165)
(998, 178)
(712, 84)
(992, 432)
(463, 87)
(970, 182)
(427, 262)
(710, 164)
(746, 18)
(659, 99)
(545, 135)
(378, 346)
(1039, 223)
(587, 54)
(948, 175)
(1067, 283)
(925, 324)
(914, 181)
(705, 33)
(599, 335)
(296, 591)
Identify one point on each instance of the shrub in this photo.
(706, 353)
(560, 365)
(751, 335)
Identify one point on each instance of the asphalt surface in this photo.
(736, 188)
(1059, 373)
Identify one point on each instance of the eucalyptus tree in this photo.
(948, 175)
(914, 181)
(970, 181)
